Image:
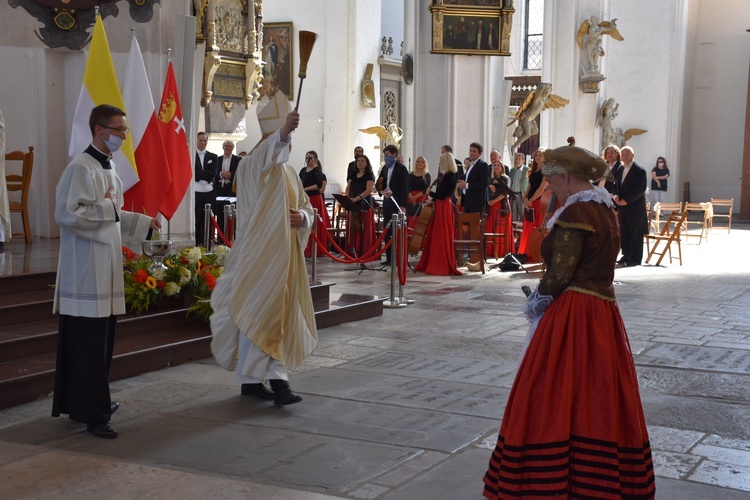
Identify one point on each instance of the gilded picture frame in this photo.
(472, 27)
(278, 56)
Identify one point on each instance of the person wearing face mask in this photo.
(89, 291)
(659, 176)
(393, 184)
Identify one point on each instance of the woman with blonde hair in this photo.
(439, 254)
(313, 182)
(532, 213)
(419, 183)
(499, 219)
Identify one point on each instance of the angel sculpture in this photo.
(540, 99)
(589, 38)
(622, 138)
(391, 136)
(604, 120)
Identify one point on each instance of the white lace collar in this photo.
(596, 193)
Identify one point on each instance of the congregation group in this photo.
(515, 200)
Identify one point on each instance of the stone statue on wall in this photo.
(610, 134)
(604, 121)
(589, 38)
(540, 99)
(391, 135)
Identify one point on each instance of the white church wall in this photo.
(41, 92)
(716, 98)
(455, 99)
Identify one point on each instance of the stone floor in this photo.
(407, 405)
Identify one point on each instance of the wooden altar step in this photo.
(147, 342)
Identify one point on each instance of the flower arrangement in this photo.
(191, 272)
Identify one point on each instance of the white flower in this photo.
(194, 255)
(158, 274)
(171, 289)
(185, 276)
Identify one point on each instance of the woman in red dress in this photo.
(573, 426)
(439, 253)
(313, 182)
(419, 183)
(360, 226)
(532, 214)
(499, 219)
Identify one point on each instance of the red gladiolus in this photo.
(161, 283)
(141, 276)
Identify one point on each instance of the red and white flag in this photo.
(145, 197)
(174, 135)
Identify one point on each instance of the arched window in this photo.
(534, 25)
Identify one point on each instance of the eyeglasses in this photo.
(117, 129)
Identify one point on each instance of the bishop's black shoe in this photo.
(257, 390)
(283, 395)
(115, 405)
(103, 430)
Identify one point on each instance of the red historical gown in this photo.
(573, 425)
(439, 252)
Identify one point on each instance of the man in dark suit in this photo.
(477, 179)
(631, 201)
(393, 184)
(206, 165)
(224, 181)
(351, 170)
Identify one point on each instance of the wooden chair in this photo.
(722, 203)
(663, 208)
(706, 212)
(470, 238)
(676, 220)
(21, 183)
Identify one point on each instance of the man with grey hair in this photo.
(631, 201)
(519, 182)
(224, 180)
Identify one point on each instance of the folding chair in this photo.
(663, 208)
(722, 203)
(706, 212)
(667, 236)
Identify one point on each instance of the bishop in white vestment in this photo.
(89, 291)
(263, 320)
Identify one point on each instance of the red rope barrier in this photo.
(403, 260)
(218, 231)
(350, 259)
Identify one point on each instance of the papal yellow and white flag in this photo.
(100, 87)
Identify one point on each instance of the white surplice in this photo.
(264, 293)
(89, 270)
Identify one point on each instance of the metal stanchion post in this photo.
(234, 221)
(392, 302)
(227, 223)
(207, 227)
(402, 250)
(314, 252)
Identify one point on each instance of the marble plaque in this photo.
(436, 367)
(346, 419)
(697, 358)
(452, 397)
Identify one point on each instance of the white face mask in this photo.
(114, 143)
